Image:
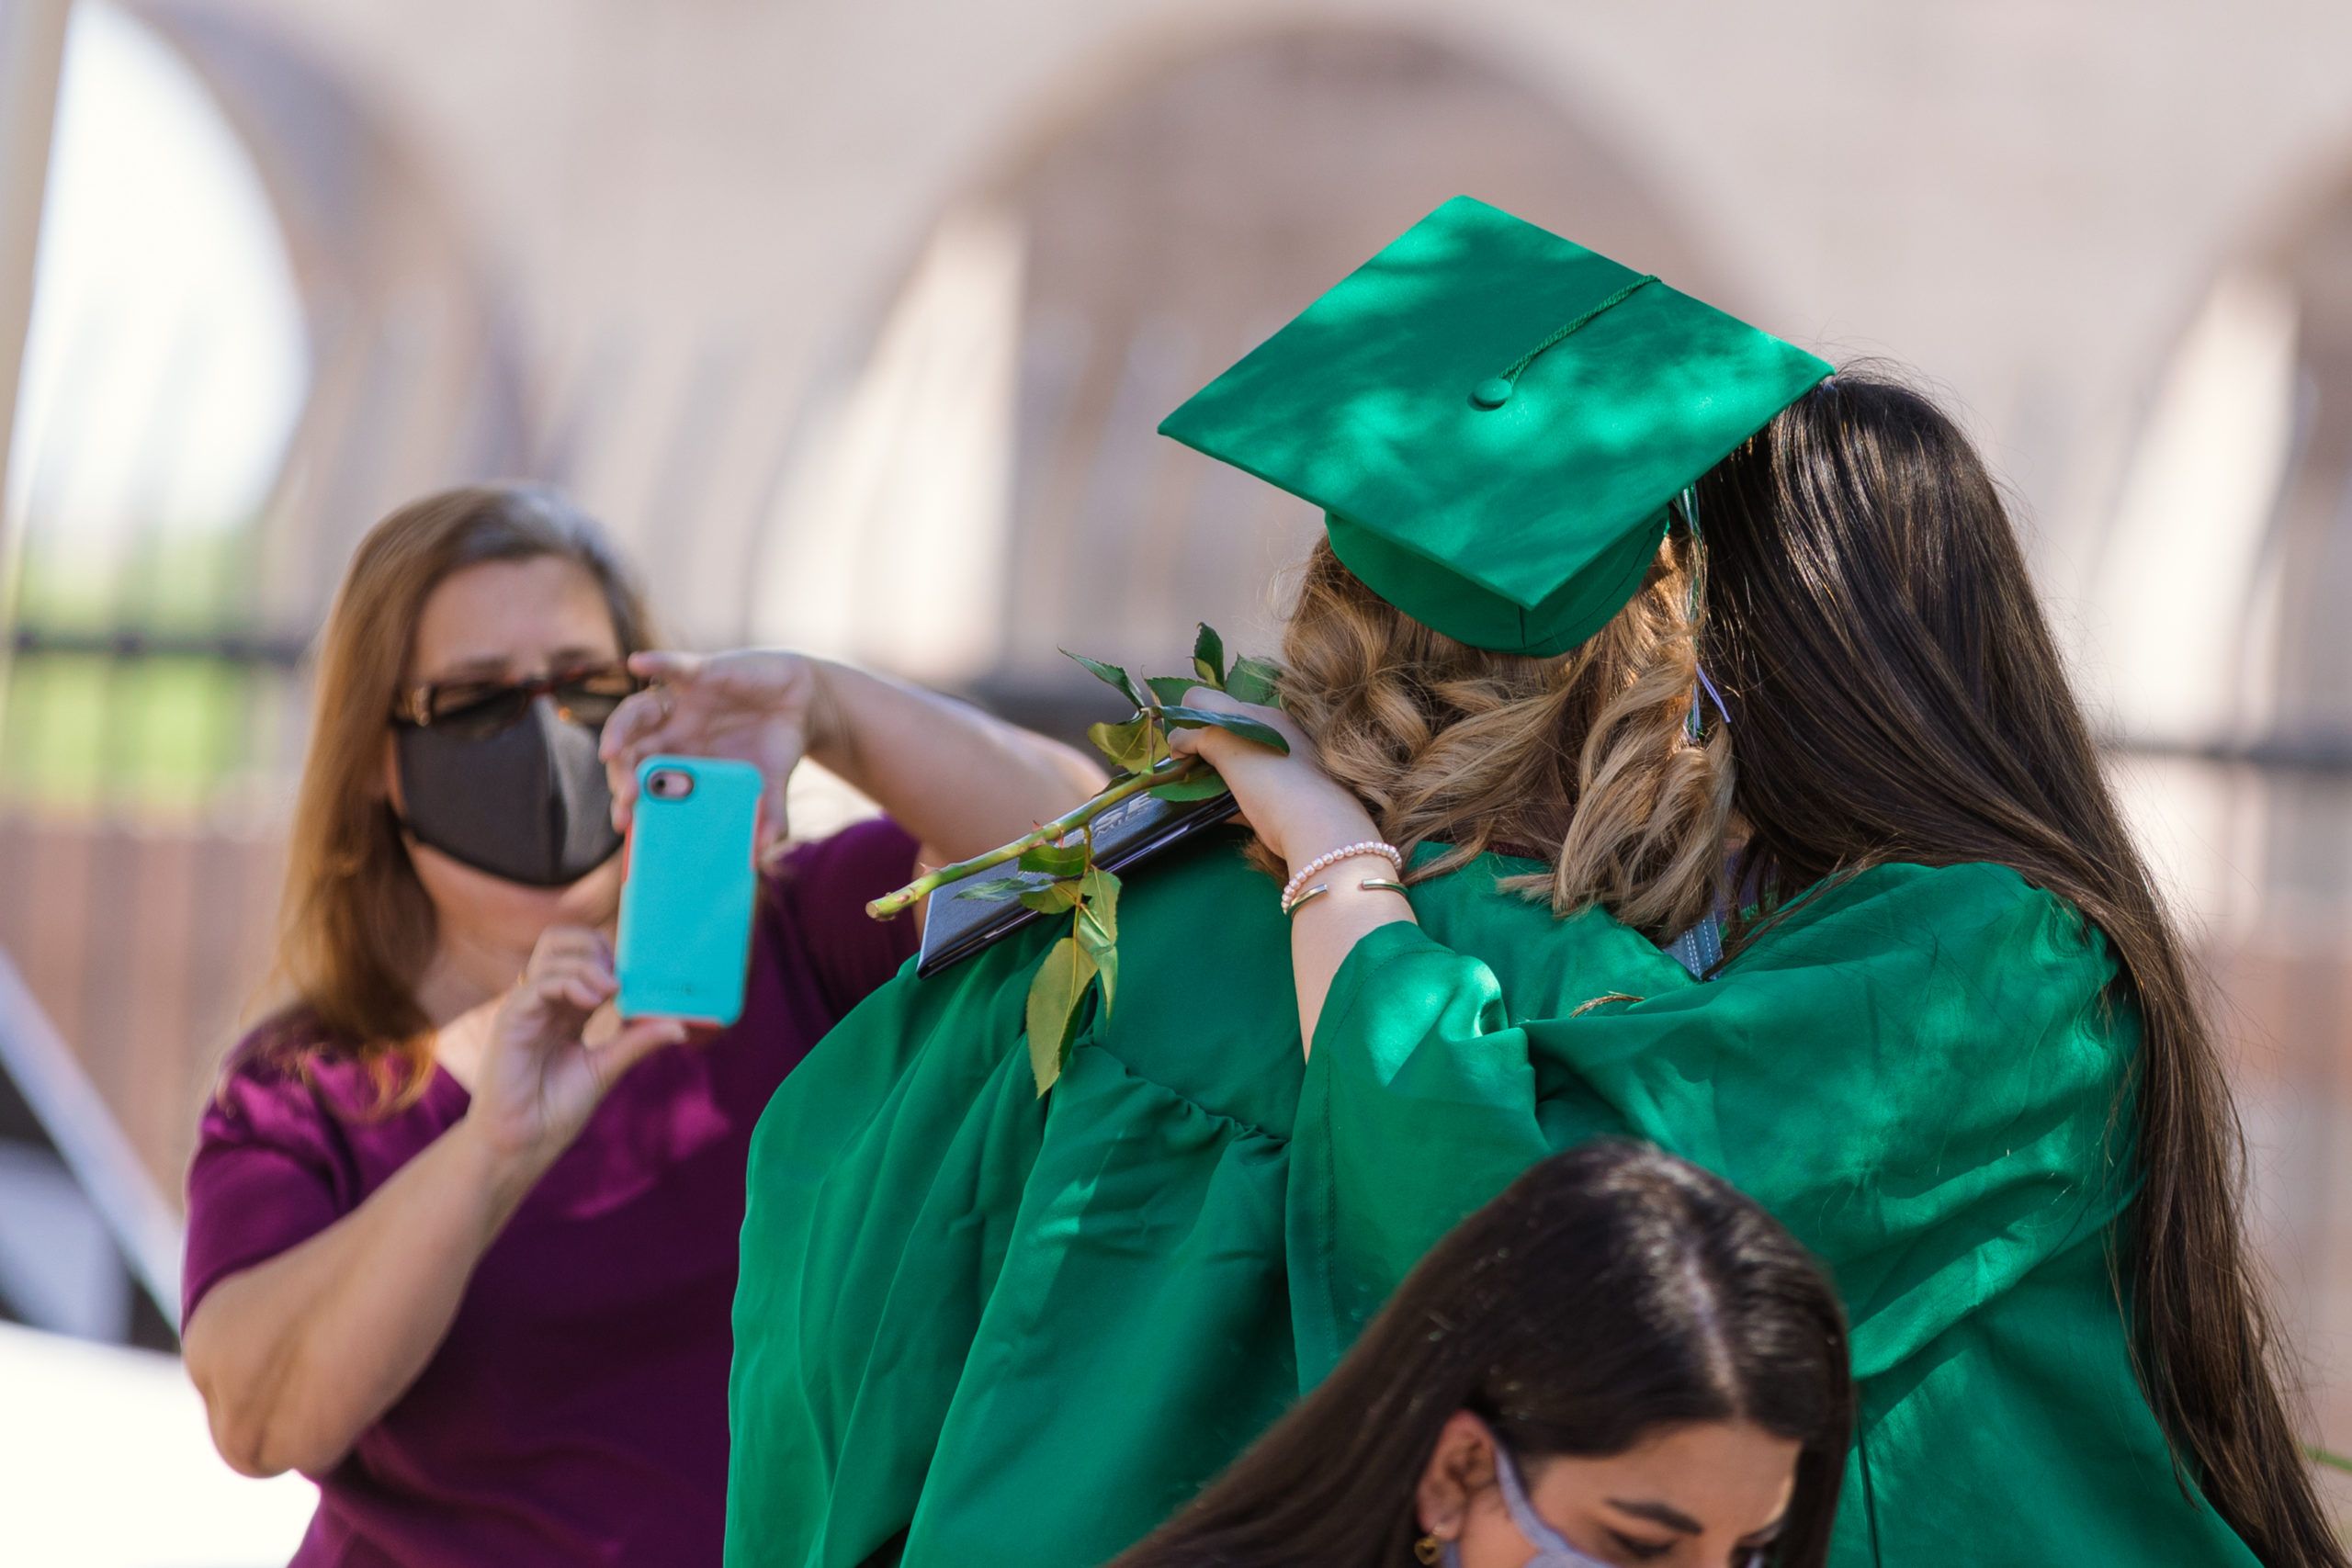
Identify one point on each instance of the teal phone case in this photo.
(686, 908)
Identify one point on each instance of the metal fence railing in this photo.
(93, 1242)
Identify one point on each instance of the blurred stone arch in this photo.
(2220, 572)
(2218, 581)
(417, 375)
(984, 485)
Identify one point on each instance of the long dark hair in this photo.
(1612, 1291)
(1896, 696)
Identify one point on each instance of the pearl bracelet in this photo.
(1388, 852)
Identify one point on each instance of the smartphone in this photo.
(686, 905)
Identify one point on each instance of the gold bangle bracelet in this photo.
(1369, 885)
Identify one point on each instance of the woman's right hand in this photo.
(540, 1079)
(299, 1354)
(1298, 811)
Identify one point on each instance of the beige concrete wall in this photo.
(2024, 200)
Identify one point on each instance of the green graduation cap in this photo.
(1494, 421)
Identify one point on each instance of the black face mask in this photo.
(528, 802)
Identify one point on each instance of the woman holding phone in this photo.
(459, 1248)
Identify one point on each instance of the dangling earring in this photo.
(1428, 1548)
(1694, 608)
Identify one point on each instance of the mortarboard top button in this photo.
(1491, 393)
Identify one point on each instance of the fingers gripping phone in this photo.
(686, 907)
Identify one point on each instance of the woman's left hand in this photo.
(1298, 811)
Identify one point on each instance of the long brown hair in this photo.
(357, 927)
(1585, 759)
(1896, 696)
(1611, 1292)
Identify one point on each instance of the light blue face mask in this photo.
(1552, 1549)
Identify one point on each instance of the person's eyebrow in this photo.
(494, 666)
(480, 667)
(1660, 1514)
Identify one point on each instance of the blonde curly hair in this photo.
(1586, 759)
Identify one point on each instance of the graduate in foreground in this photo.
(1635, 626)
(1621, 1359)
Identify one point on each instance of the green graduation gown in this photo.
(1002, 1329)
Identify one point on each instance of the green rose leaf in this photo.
(1204, 785)
(1208, 656)
(1004, 889)
(1106, 968)
(1238, 724)
(1058, 894)
(1134, 746)
(1099, 889)
(1172, 690)
(1253, 681)
(1098, 928)
(1055, 859)
(1055, 996)
(1110, 675)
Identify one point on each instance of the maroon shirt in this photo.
(577, 1412)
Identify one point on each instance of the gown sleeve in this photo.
(1917, 1072)
(1423, 1098)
